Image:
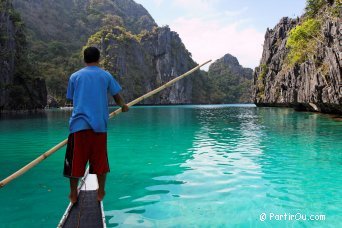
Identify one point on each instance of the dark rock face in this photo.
(141, 65)
(232, 63)
(169, 59)
(136, 17)
(7, 58)
(229, 82)
(315, 85)
(20, 89)
(52, 102)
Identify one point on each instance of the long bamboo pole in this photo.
(116, 112)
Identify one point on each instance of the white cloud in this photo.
(158, 2)
(212, 39)
(234, 13)
(196, 5)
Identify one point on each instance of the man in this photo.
(88, 89)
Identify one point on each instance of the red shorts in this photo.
(84, 146)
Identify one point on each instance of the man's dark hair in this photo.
(91, 55)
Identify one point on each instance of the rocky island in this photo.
(301, 61)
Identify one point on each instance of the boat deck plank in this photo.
(87, 211)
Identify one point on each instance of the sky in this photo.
(212, 28)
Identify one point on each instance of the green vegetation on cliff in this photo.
(306, 36)
(303, 41)
(117, 43)
(314, 6)
(260, 83)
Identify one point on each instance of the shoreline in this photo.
(335, 116)
(22, 111)
(110, 106)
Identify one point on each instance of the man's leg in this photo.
(99, 162)
(101, 179)
(73, 190)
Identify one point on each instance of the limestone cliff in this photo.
(311, 78)
(145, 61)
(19, 87)
(229, 82)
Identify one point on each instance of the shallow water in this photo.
(186, 166)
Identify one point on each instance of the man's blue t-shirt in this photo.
(88, 89)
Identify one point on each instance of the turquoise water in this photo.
(186, 166)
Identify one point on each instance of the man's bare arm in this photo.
(119, 101)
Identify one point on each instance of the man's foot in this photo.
(73, 197)
(100, 194)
